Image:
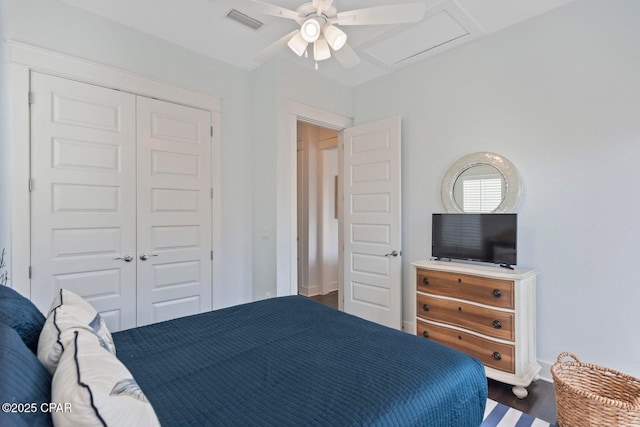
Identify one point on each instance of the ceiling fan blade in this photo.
(275, 47)
(380, 15)
(322, 5)
(270, 9)
(346, 56)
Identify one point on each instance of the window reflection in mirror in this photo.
(480, 188)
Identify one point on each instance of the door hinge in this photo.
(211, 130)
(211, 193)
(29, 272)
(30, 97)
(212, 255)
(30, 185)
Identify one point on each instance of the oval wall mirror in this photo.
(481, 183)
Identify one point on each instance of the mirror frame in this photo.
(513, 185)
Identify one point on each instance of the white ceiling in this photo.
(202, 26)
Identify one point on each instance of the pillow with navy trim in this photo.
(22, 380)
(69, 310)
(22, 315)
(68, 298)
(98, 387)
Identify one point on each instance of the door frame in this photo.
(24, 59)
(287, 203)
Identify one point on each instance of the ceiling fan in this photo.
(319, 21)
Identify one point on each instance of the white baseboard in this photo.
(545, 372)
(409, 327)
(309, 291)
(330, 287)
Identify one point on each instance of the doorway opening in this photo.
(317, 212)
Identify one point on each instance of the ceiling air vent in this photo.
(243, 19)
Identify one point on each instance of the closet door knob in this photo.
(145, 257)
(126, 258)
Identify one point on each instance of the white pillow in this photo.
(69, 310)
(98, 387)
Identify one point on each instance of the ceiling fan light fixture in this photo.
(321, 50)
(335, 37)
(310, 30)
(298, 44)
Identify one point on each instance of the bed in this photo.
(293, 361)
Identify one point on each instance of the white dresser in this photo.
(485, 311)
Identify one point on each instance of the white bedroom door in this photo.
(174, 211)
(372, 266)
(83, 202)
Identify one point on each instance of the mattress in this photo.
(291, 361)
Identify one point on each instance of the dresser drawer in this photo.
(494, 323)
(483, 290)
(493, 354)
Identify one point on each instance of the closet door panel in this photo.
(174, 211)
(83, 200)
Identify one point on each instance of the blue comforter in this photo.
(291, 361)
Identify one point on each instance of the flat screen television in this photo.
(483, 237)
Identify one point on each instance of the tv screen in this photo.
(475, 237)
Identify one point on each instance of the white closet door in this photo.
(174, 211)
(83, 201)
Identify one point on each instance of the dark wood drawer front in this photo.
(495, 355)
(483, 290)
(489, 322)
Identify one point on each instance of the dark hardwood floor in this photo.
(541, 399)
(540, 402)
(330, 299)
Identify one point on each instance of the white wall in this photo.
(329, 274)
(558, 95)
(317, 227)
(307, 193)
(59, 27)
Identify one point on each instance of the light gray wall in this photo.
(5, 147)
(59, 27)
(558, 95)
(254, 121)
(265, 131)
(275, 84)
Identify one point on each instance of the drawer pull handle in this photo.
(496, 355)
(497, 324)
(425, 280)
(425, 307)
(497, 293)
(425, 334)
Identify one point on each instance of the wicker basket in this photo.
(593, 396)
